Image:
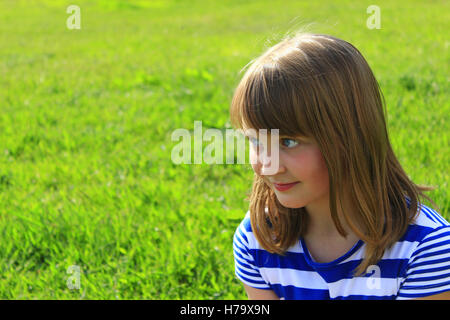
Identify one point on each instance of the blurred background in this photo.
(92, 207)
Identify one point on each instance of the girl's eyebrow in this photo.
(282, 136)
(249, 134)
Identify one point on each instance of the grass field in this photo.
(86, 117)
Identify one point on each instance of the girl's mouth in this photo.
(284, 186)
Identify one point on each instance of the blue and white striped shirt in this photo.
(417, 265)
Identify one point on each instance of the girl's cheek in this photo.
(295, 161)
(254, 161)
(311, 164)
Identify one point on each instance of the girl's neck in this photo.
(323, 240)
(321, 224)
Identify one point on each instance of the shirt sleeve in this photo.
(245, 268)
(428, 271)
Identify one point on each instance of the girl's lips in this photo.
(284, 186)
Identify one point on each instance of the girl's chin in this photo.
(290, 203)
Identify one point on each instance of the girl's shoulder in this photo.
(428, 233)
(426, 222)
(425, 247)
(244, 234)
(245, 227)
(245, 224)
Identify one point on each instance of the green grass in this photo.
(86, 118)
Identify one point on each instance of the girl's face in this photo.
(300, 162)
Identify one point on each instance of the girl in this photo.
(339, 219)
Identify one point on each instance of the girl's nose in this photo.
(269, 165)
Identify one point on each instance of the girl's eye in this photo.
(288, 143)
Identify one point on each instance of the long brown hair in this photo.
(319, 86)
